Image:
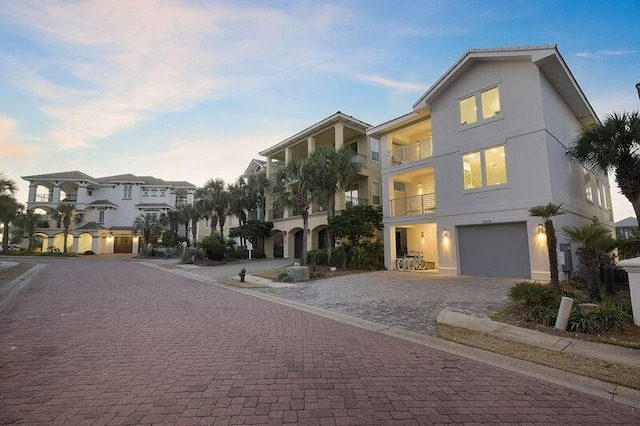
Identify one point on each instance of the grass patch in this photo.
(621, 374)
(237, 283)
(15, 271)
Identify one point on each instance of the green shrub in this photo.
(541, 314)
(89, 253)
(193, 255)
(317, 257)
(284, 277)
(338, 257)
(317, 274)
(213, 246)
(532, 294)
(610, 316)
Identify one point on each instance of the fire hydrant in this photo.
(242, 273)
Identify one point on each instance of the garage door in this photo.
(123, 245)
(494, 250)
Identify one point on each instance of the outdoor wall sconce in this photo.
(422, 234)
(420, 185)
(445, 234)
(540, 229)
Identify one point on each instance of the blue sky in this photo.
(192, 90)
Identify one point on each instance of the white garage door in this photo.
(500, 250)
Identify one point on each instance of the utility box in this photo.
(566, 258)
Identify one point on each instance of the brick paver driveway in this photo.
(408, 300)
(114, 342)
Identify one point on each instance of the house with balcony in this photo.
(109, 207)
(338, 130)
(487, 141)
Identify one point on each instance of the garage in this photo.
(500, 250)
(123, 245)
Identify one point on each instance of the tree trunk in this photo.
(64, 242)
(5, 237)
(552, 250)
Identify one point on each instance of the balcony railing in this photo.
(354, 201)
(277, 213)
(415, 205)
(359, 159)
(43, 198)
(411, 152)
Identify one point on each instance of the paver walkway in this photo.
(121, 343)
(407, 300)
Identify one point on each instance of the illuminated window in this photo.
(468, 111)
(587, 185)
(472, 170)
(486, 167)
(495, 165)
(487, 101)
(490, 103)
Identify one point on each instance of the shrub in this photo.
(610, 316)
(532, 294)
(193, 255)
(317, 257)
(541, 314)
(213, 246)
(284, 277)
(316, 274)
(338, 257)
(258, 254)
(89, 252)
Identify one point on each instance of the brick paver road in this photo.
(114, 342)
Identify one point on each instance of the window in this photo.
(101, 216)
(587, 186)
(487, 101)
(154, 192)
(375, 189)
(468, 111)
(600, 187)
(486, 167)
(127, 192)
(375, 150)
(607, 198)
(162, 192)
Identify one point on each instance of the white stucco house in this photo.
(486, 142)
(109, 205)
(338, 130)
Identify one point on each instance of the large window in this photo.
(375, 187)
(486, 167)
(101, 216)
(486, 101)
(127, 192)
(587, 185)
(375, 149)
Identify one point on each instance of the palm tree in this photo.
(214, 199)
(257, 186)
(29, 222)
(614, 145)
(174, 220)
(239, 202)
(190, 215)
(547, 213)
(65, 213)
(333, 172)
(291, 188)
(592, 238)
(10, 210)
(7, 186)
(150, 227)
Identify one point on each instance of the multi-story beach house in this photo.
(489, 140)
(109, 205)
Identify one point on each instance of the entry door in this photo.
(298, 244)
(401, 241)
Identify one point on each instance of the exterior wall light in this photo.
(445, 234)
(541, 229)
(422, 234)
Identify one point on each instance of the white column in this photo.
(311, 145)
(32, 193)
(339, 135)
(74, 243)
(94, 244)
(55, 197)
(136, 244)
(285, 245)
(632, 266)
(287, 155)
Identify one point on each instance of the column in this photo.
(287, 155)
(32, 193)
(74, 243)
(285, 245)
(94, 244)
(339, 135)
(55, 196)
(311, 145)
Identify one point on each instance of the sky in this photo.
(193, 90)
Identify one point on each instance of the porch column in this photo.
(55, 196)
(309, 241)
(311, 145)
(339, 135)
(285, 245)
(74, 243)
(32, 193)
(388, 235)
(190, 197)
(136, 244)
(287, 155)
(50, 242)
(94, 244)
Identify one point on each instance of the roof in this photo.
(73, 175)
(102, 203)
(630, 222)
(315, 128)
(253, 166)
(153, 206)
(121, 228)
(91, 225)
(546, 57)
(126, 178)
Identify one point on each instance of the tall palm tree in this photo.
(592, 238)
(257, 186)
(65, 213)
(190, 215)
(149, 226)
(547, 213)
(10, 210)
(239, 202)
(614, 145)
(7, 186)
(174, 219)
(291, 188)
(333, 172)
(29, 222)
(214, 198)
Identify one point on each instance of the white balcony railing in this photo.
(358, 158)
(415, 205)
(411, 152)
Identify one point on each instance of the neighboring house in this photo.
(109, 205)
(485, 143)
(627, 228)
(337, 130)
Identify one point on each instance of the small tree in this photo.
(547, 213)
(65, 213)
(149, 226)
(253, 230)
(356, 223)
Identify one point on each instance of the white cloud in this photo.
(12, 144)
(604, 54)
(392, 84)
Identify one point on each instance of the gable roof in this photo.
(253, 166)
(73, 175)
(76, 175)
(546, 57)
(630, 222)
(102, 203)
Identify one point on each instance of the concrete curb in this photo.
(16, 285)
(610, 391)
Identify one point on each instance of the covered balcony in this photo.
(413, 193)
(405, 153)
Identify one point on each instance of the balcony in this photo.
(277, 213)
(415, 205)
(43, 198)
(354, 201)
(411, 152)
(359, 159)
